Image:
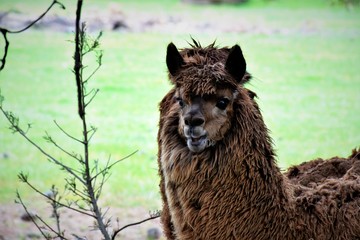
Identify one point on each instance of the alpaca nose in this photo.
(194, 120)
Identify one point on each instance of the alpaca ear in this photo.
(174, 61)
(236, 64)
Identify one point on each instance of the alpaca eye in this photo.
(180, 101)
(222, 103)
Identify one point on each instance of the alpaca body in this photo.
(219, 178)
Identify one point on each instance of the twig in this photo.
(22, 133)
(51, 229)
(49, 139)
(30, 216)
(6, 48)
(24, 179)
(40, 17)
(92, 97)
(96, 69)
(114, 163)
(5, 31)
(134, 224)
(77, 192)
(70, 136)
(92, 131)
(55, 206)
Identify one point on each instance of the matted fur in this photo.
(234, 189)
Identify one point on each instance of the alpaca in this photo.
(319, 170)
(217, 167)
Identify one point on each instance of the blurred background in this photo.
(304, 57)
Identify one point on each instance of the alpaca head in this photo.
(206, 85)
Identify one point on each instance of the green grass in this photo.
(305, 74)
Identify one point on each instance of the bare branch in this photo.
(58, 234)
(90, 92)
(5, 31)
(46, 236)
(92, 131)
(24, 179)
(67, 134)
(98, 190)
(15, 126)
(92, 97)
(49, 139)
(79, 193)
(116, 162)
(152, 216)
(6, 48)
(55, 206)
(40, 17)
(99, 61)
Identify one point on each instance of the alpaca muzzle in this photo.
(197, 138)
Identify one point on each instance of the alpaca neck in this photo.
(255, 161)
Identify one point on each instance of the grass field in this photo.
(304, 59)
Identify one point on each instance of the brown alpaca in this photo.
(219, 178)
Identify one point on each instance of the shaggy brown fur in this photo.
(310, 174)
(232, 187)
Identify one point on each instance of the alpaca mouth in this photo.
(196, 138)
(197, 144)
(197, 141)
